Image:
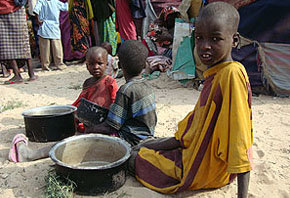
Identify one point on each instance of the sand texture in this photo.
(271, 121)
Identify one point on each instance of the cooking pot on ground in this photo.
(96, 163)
(49, 123)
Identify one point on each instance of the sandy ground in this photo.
(271, 120)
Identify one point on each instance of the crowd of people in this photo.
(60, 32)
(212, 144)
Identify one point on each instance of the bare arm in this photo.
(103, 128)
(38, 21)
(160, 144)
(243, 184)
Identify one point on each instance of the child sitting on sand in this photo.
(100, 89)
(213, 143)
(132, 116)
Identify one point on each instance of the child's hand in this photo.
(39, 22)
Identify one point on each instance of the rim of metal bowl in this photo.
(110, 165)
(70, 108)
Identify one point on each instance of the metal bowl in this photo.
(96, 163)
(49, 123)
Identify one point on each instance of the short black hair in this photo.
(223, 11)
(94, 50)
(107, 46)
(132, 55)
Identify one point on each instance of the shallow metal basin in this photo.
(96, 163)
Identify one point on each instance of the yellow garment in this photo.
(216, 137)
(88, 5)
(194, 8)
(118, 38)
(190, 8)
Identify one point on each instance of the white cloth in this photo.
(31, 5)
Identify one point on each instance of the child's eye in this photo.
(216, 39)
(197, 37)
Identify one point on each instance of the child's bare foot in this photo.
(23, 152)
(19, 151)
(5, 72)
(33, 78)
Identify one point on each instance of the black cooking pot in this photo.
(96, 163)
(49, 123)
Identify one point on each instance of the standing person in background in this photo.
(35, 27)
(14, 39)
(104, 23)
(64, 25)
(124, 20)
(49, 32)
(80, 15)
(138, 14)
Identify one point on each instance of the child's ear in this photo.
(236, 40)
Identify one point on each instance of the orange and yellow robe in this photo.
(216, 137)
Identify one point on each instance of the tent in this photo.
(266, 56)
(265, 45)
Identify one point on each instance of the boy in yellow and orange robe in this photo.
(213, 142)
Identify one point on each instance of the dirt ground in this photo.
(271, 121)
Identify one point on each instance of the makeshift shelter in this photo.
(267, 56)
(265, 44)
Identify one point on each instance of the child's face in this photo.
(214, 41)
(96, 64)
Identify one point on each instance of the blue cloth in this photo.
(48, 12)
(133, 112)
(266, 21)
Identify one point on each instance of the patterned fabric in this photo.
(167, 11)
(110, 34)
(133, 112)
(216, 137)
(80, 31)
(274, 59)
(158, 5)
(14, 38)
(102, 92)
(156, 28)
(159, 63)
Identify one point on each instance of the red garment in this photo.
(124, 20)
(8, 6)
(150, 52)
(103, 92)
